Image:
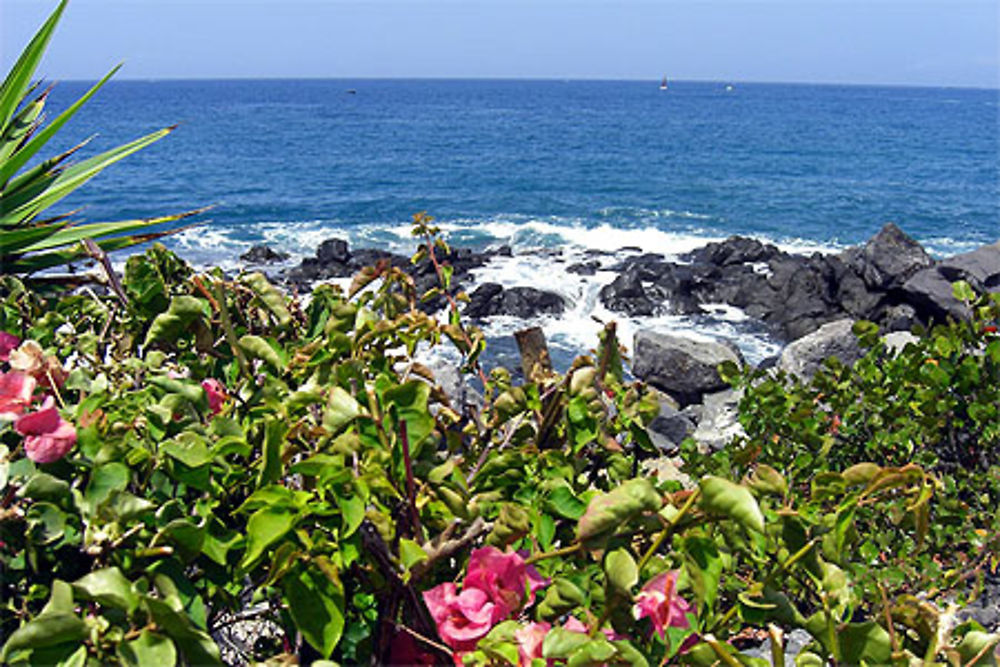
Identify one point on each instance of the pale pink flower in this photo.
(47, 436)
(30, 359)
(8, 342)
(659, 601)
(462, 618)
(216, 393)
(529, 641)
(504, 577)
(16, 390)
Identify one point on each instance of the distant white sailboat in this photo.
(663, 83)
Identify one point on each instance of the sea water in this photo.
(555, 169)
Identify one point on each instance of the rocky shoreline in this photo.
(890, 280)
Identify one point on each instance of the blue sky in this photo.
(939, 42)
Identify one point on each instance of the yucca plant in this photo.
(29, 240)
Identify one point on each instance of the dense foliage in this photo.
(236, 453)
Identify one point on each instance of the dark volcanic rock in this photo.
(492, 299)
(929, 290)
(587, 268)
(262, 254)
(888, 259)
(333, 250)
(734, 250)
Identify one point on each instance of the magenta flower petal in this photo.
(529, 641)
(42, 422)
(16, 390)
(8, 342)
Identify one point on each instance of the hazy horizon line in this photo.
(165, 79)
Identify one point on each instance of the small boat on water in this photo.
(729, 88)
(663, 83)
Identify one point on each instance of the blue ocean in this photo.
(548, 166)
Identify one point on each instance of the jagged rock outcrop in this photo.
(491, 299)
(805, 356)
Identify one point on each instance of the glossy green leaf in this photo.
(256, 347)
(621, 571)
(607, 512)
(109, 587)
(149, 648)
(721, 497)
(265, 527)
(317, 606)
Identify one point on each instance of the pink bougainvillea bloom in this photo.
(216, 393)
(16, 390)
(462, 618)
(659, 601)
(8, 342)
(504, 577)
(529, 641)
(573, 624)
(47, 436)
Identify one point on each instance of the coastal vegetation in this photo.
(188, 452)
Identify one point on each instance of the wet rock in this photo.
(806, 355)
(734, 250)
(683, 368)
(587, 268)
(333, 250)
(491, 299)
(930, 290)
(262, 254)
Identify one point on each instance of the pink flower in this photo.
(15, 394)
(659, 601)
(462, 619)
(8, 342)
(30, 359)
(47, 436)
(216, 393)
(529, 641)
(504, 577)
(573, 624)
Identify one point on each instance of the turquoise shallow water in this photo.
(568, 165)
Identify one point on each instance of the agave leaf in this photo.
(19, 78)
(15, 241)
(43, 173)
(20, 128)
(9, 168)
(51, 258)
(78, 174)
(95, 230)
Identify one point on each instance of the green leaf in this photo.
(409, 402)
(563, 502)
(197, 646)
(561, 597)
(340, 409)
(109, 587)
(188, 448)
(46, 630)
(722, 497)
(256, 347)
(704, 568)
(182, 312)
(864, 642)
(560, 643)
(185, 535)
(595, 653)
(978, 643)
(19, 77)
(270, 296)
(621, 571)
(149, 648)
(265, 527)
(352, 509)
(271, 462)
(766, 479)
(608, 512)
(317, 607)
(104, 481)
(410, 553)
(43, 486)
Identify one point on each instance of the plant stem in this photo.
(668, 529)
(227, 328)
(411, 494)
(564, 551)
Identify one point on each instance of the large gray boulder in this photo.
(806, 355)
(720, 420)
(685, 369)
